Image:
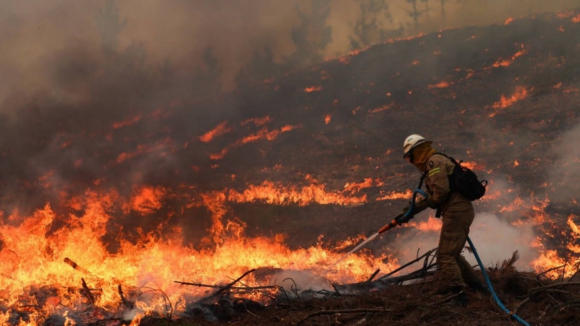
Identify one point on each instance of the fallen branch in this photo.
(226, 287)
(128, 304)
(553, 286)
(76, 266)
(427, 254)
(246, 288)
(373, 275)
(549, 270)
(521, 305)
(87, 291)
(575, 303)
(445, 299)
(344, 311)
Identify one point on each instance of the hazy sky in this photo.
(35, 32)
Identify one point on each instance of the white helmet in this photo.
(412, 142)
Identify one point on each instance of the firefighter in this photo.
(457, 213)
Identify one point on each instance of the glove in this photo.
(401, 218)
(431, 203)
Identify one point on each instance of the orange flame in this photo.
(431, 225)
(508, 62)
(393, 195)
(262, 134)
(146, 200)
(256, 121)
(125, 123)
(367, 183)
(327, 118)
(382, 108)
(217, 131)
(270, 193)
(143, 149)
(313, 89)
(442, 84)
(504, 102)
(35, 256)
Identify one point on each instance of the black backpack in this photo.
(464, 181)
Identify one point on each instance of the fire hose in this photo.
(396, 222)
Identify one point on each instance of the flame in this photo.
(264, 133)
(313, 89)
(256, 121)
(125, 123)
(396, 195)
(367, 183)
(431, 225)
(564, 14)
(34, 255)
(327, 118)
(508, 62)
(576, 19)
(504, 102)
(217, 131)
(146, 200)
(143, 149)
(382, 108)
(442, 84)
(508, 21)
(271, 193)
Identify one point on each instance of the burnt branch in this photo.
(549, 270)
(373, 275)
(87, 292)
(553, 286)
(226, 287)
(343, 311)
(241, 288)
(76, 266)
(128, 304)
(427, 254)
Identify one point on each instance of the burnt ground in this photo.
(413, 305)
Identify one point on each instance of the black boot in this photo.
(477, 285)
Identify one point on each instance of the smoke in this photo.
(113, 94)
(493, 237)
(296, 281)
(565, 175)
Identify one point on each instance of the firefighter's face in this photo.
(409, 156)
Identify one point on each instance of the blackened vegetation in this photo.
(534, 297)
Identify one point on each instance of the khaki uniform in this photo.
(457, 215)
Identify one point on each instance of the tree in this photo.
(415, 13)
(261, 67)
(369, 28)
(110, 26)
(313, 35)
(427, 9)
(207, 78)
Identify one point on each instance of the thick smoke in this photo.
(493, 237)
(115, 93)
(565, 177)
